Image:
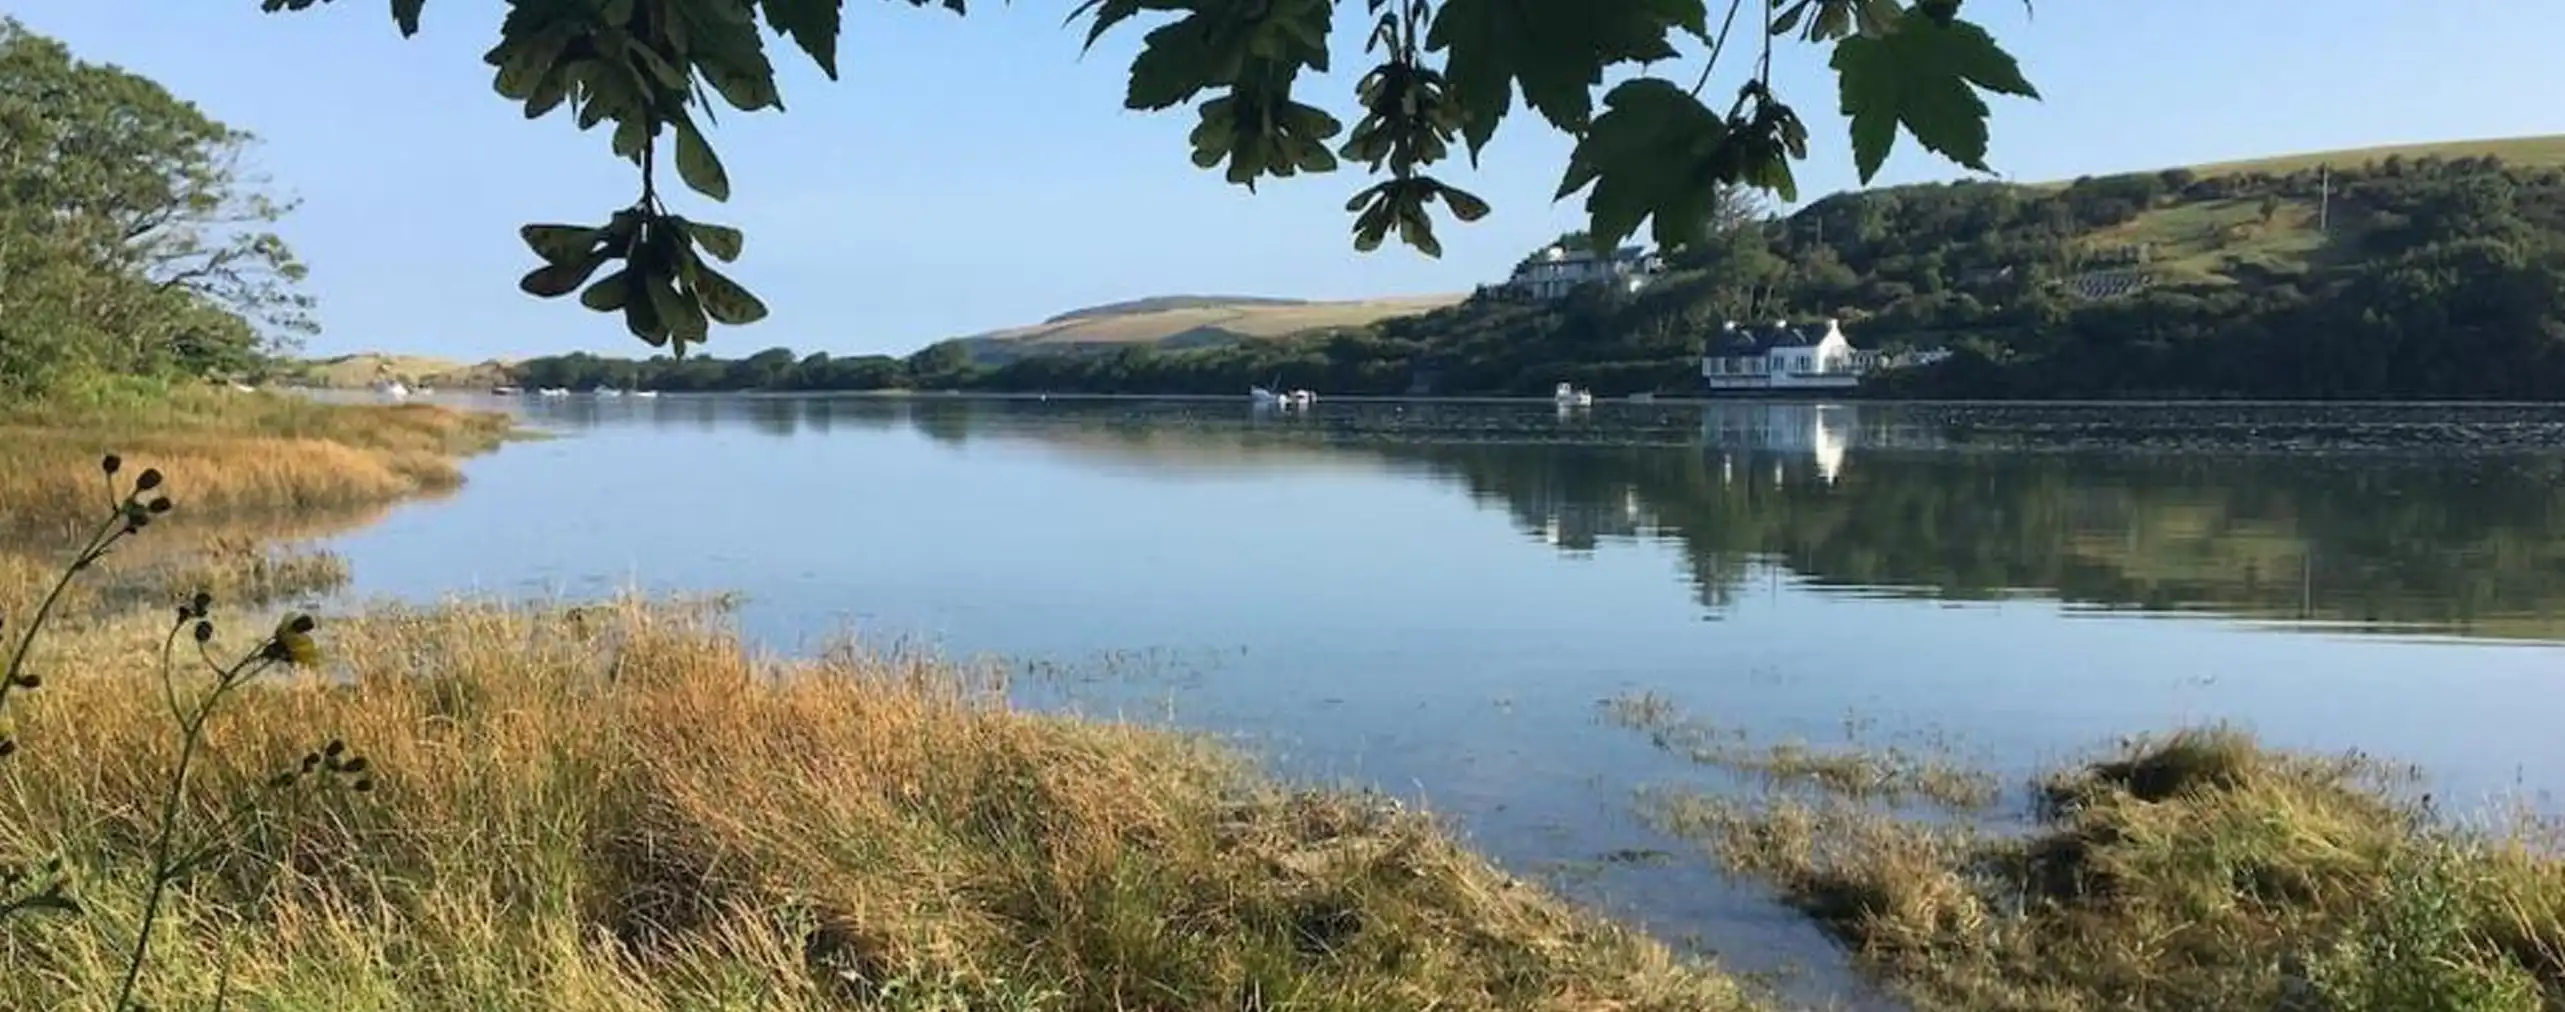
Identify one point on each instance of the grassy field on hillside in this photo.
(1252, 321)
(2526, 152)
(2201, 242)
(2206, 242)
(361, 370)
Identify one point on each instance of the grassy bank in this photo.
(279, 456)
(2190, 871)
(621, 807)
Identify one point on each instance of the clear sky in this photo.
(973, 173)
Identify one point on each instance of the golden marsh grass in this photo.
(622, 807)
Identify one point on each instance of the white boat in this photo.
(554, 391)
(1299, 399)
(1568, 396)
(392, 389)
(645, 393)
(1262, 397)
(608, 392)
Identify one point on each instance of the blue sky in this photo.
(972, 173)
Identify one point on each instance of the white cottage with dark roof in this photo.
(1784, 357)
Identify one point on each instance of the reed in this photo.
(235, 454)
(623, 807)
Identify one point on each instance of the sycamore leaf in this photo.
(406, 14)
(696, 163)
(1925, 77)
(811, 24)
(1655, 152)
(722, 241)
(561, 243)
(723, 300)
(1556, 51)
(607, 294)
(1176, 62)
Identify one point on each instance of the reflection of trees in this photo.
(2474, 544)
(1873, 504)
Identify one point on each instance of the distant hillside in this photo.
(363, 369)
(2413, 271)
(2517, 152)
(1165, 302)
(1192, 321)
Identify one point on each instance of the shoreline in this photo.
(443, 396)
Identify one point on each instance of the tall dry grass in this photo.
(621, 807)
(233, 453)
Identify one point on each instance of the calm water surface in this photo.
(1434, 599)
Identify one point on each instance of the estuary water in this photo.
(1435, 600)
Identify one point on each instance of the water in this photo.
(1433, 599)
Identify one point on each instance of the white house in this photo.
(1554, 272)
(1783, 357)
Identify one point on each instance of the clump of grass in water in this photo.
(1889, 775)
(2197, 870)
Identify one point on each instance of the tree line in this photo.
(134, 240)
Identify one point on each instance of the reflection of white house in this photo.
(1783, 357)
(1554, 272)
(1820, 432)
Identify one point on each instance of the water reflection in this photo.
(1872, 500)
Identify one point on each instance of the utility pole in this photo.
(2324, 205)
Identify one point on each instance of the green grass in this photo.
(2201, 242)
(2526, 152)
(1149, 322)
(2198, 870)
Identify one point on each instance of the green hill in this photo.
(2544, 152)
(2419, 271)
(2401, 272)
(1191, 321)
(363, 369)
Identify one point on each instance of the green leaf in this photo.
(1176, 62)
(684, 316)
(560, 243)
(1108, 13)
(1925, 77)
(608, 294)
(641, 313)
(697, 164)
(406, 14)
(1556, 51)
(732, 57)
(724, 300)
(722, 241)
(811, 24)
(1465, 205)
(555, 280)
(1789, 18)
(1656, 152)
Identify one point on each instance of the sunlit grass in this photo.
(232, 452)
(622, 807)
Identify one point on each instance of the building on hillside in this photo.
(1554, 272)
(1784, 357)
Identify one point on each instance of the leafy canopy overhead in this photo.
(1445, 71)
